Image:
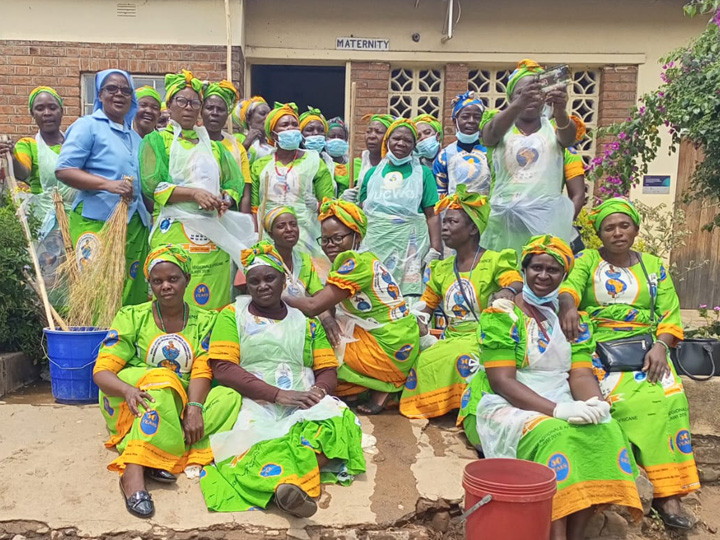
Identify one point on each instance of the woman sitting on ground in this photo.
(619, 287)
(461, 286)
(290, 436)
(154, 381)
(369, 308)
(536, 397)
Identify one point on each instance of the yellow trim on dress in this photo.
(228, 351)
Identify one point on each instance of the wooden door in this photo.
(702, 285)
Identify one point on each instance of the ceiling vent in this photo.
(126, 9)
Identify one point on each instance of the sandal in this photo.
(139, 504)
(372, 409)
(293, 500)
(675, 521)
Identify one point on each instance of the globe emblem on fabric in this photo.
(112, 338)
(527, 155)
(640, 376)
(393, 180)
(165, 225)
(467, 364)
(201, 294)
(284, 377)
(614, 285)
(682, 441)
(362, 302)
(624, 462)
(560, 464)
(583, 333)
(86, 248)
(404, 353)
(171, 351)
(203, 473)
(150, 423)
(466, 397)
(107, 407)
(133, 269)
(411, 381)
(271, 470)
(346, 267)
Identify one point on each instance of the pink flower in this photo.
(622, 135)
(703, 306)
(641, 111)
(717, 17)
(661, 94)
(716, 308)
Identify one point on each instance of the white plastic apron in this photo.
(273, 352)
(235, 150)
(527, 196)
(261, 149)
(499, 424)
(365, 166)
(469, 168)
(397, 233)
(330, 165)
(197, 168)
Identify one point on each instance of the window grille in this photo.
(416, 91)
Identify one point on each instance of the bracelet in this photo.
(196, 404)
(565, 126)
(667, 347)
(511, 289)
(324, 392)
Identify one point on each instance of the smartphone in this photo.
(553, 78)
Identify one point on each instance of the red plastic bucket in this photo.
(521, 506)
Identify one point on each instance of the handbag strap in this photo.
(462, 291)
(652, 288)
(535, 314)
(707, 350)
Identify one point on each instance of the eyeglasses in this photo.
(113, 89)
(182, 102)
(334, 240)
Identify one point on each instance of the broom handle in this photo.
(353, 92)
(228, 56)
(28, 236)
(261, 210)
(61, 322)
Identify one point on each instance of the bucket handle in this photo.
(43, 341)
(482, 502)
(70, 368)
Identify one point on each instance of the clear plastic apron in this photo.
(469, 168)
(330, 165)
(500, 425)
(235, 149)
(527, 196)
(261, 149)
(273, 352)
(397, 233)
(295, 287)
(196, 167)
(365, 166)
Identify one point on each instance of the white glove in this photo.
(427, 341)
(503, 304)
(350, 194)
(577, 412)
(601, 405)
(432, 255)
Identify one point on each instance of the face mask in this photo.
(337, 147)
(428, 148)
(467, 139)
(535, 300)
(289, 139)
(315, 142)
(399, 161)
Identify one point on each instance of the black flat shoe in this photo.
(676, 521)
(295, 501)
(160, 475)
(139, 504)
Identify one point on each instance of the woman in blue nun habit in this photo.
(99, 150)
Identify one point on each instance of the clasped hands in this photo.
(591, 411)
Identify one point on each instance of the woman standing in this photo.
(338, 148)
(219, 100)
(251, 115)
(461, 286)
(399, 197)
(148, 114)
(631, 294)
(369, 307)
(154, 381)
(314, 129)
(464, 161)
(527, 155)
(430, 138)
(99, 150)
(290, 435)
(292, 177)
(373, 153)
(194, 181)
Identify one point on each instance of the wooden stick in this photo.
(10, 173)
(61, 322)
(228, 56)
(261, 210)
(353, 92)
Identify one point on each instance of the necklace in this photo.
(162, 323)
(287, 171)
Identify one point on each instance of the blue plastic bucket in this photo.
(72, 358)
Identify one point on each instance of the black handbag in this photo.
(697, 358)
(628, 354)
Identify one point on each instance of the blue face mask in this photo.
(535, 300)
(399, 161)
(337, 147)
(467, 139)
(289, 139)
(428, 148)
(315, 142)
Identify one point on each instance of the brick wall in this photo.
(456, 82)
(373, 85)
(27, 64)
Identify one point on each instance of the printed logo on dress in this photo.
(271, 470)
(583, 333)
(682, 441)
(165, 225)
(205, 343)
(411, 381)
(542, 344)
(466, 397)
(614, 285)
(572, 150)
(112, 338)
(171, 351)
(313, 329)
(663, 273)
(346, 267)
(671, 443)
(526, 155)
(203, 473)
(404, 353)
(631, 315)
(202, 294)
(640, 376)
(466, 365)
(305, 442)
(133, 269)
(624, 461)
(579, 254)
(86, 248)
(150, 423)
(560, 464)
(107, 407)
(515, 334)
(426, 275)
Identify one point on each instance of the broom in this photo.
(72, 272)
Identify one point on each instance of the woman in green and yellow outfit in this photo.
(461, 286)
(218, 100)
(618, 286)
(536, 398)
(430, 139)
(370, 309)
(290, 435)
(148, 113)
(372, 155)
(337, 147)
(250, 115)
(194, 181)
(292, 177)
(315, 128)
(154, 381)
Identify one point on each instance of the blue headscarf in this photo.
(465, 100)
(100, 79)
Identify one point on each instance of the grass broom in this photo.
(72, 273)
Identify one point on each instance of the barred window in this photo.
(583, 97)
(416, 91)
(88, 88)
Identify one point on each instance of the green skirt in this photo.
(248, 481)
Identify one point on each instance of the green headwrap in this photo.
(475, 205)
(275, 114)
(148, 91)
(261, 254)
(310, 115)
(384, 119)
(174, 82)
(349, 214)
(173, 253)
(556, 247)
(431, 121)
(613, 206)
(524, 68)
(39, 90)
(275, 213)
(398, 123)
(224, 89)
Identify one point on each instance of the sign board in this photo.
(656, 185)
(362, 44)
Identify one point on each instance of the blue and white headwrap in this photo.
(465, 100)
(100, 80)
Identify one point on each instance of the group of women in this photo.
(342, 296)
